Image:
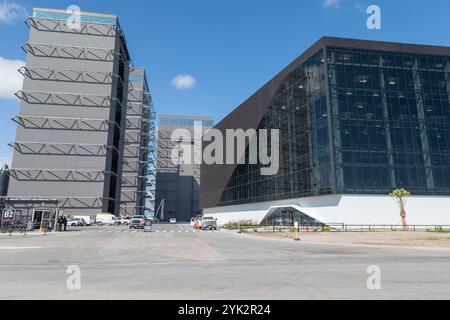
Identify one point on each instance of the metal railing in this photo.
(7, 227)
(341, 227)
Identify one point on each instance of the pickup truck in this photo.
(209, 223)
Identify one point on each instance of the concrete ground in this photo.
(176, 263)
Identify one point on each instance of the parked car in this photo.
(125, 221)
(173, 221)
(89, 220)
(75, 222)
(107, 219)
(209, 223)
(138, 222)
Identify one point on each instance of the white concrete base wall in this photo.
(347, 209)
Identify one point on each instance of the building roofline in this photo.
(384, 46)
(89, 14)
(348, 43)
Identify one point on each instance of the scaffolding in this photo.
(138, 180)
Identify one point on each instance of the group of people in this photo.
(61, 224)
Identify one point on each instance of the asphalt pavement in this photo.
(177, 262)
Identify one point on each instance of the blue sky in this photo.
(223, 50)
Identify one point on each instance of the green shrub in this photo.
(240, 225)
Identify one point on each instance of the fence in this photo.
(340, 227)
(21, 227)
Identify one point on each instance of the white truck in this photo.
(209, 223)
(90, 220)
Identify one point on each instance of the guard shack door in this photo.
(42, 219)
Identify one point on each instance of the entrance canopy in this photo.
(29, 213)
(29, 203)
(288, 215)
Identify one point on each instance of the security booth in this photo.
(29, 214)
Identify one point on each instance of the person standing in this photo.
(64, 221)
(59, 224)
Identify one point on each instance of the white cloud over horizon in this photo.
(11, 80)
(184, 82)
(11, 12)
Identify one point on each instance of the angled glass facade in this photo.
(299, 111)
(360, 118)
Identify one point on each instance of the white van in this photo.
(90, 220)
(106, 219)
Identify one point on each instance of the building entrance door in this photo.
(41, 219)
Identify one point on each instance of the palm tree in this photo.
(400, 196)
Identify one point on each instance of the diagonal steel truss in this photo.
(137, 109)
(133, 165)
(71, 52)
(63, 202)
(59, 175)
(62, 98)
(83, 203)
(129, 181)
(39, 148)
(55, 25)
(61, 123)
(68, 75)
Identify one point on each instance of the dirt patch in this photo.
(407, 239)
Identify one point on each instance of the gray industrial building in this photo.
(84, 130)
(178, 181)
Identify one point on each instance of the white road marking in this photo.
(19, 248)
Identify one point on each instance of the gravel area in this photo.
(407, 239)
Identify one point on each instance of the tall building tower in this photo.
(138, 183)
(71, 127)
(178, 183)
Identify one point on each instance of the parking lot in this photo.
(176, 262)
(157, 228)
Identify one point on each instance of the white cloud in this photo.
(11, 80)
(184, 82)
(10, 12)
(331, 3)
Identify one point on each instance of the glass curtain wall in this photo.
(391, 121)
(299, 111)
